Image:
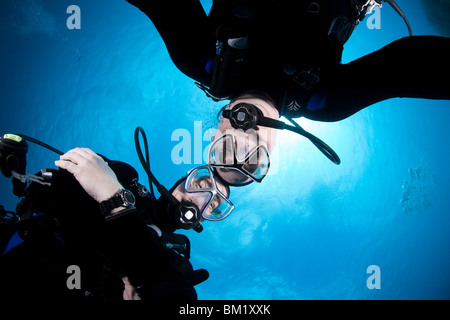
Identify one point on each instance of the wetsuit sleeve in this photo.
(412, 67)
(184, 28)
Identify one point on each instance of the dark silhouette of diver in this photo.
(292, 51)
(94, 214)
(274, 58)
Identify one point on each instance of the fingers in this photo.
(67, 165)
(77, 157)
(92, 172)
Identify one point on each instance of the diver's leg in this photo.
(412, 67)
(184, 28)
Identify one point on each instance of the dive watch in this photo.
(124, 198)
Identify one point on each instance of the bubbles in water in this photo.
(28, 17)
(418, 188)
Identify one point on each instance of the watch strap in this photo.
(115, 202)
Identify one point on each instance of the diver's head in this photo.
(198, 196)
(241, 155)
(186, 205)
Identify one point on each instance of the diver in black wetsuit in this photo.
(287, 55)
(292, 51)
(122, 258)
(93, 213)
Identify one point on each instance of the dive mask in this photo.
(239, 168)
(213, 204)
(235, 164)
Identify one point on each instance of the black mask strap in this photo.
(246, 116)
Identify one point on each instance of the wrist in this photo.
(109, 195)
(122, 201)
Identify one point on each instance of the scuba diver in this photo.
(275, 58)
(94, 214)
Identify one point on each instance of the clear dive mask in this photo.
(213, 204)
(237, 165)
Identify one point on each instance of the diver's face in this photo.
(246, 141)
(200, 199)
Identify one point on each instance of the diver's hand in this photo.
(92, 172)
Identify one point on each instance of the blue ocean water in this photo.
(311, 229)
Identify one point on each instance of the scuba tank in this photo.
(231, 55)
(232, 48)
(13, 152)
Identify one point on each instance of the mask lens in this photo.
(219, 208)
(199, 180)
(222, 151)
(251, 165)
(257, 164)
(233, 176)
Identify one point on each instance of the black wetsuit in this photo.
(287, 36)
(66, 228)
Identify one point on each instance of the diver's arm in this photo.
(92, 172)
(412, 67)
(95, 176)
(184, 28)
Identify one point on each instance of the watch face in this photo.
(128, 197)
